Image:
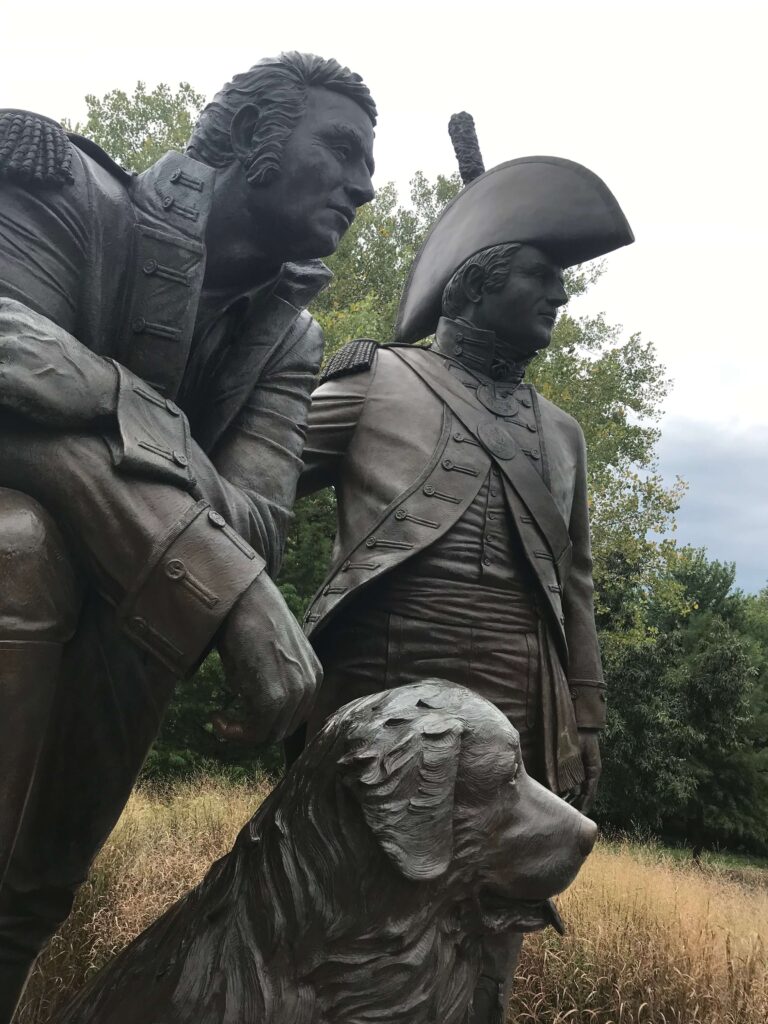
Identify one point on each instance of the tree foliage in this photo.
(686, 750)
(137, 130)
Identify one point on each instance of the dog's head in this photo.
(439, 778)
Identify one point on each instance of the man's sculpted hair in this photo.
(496, 265)
(278, 88)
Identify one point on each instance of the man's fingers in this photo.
(588, 794)
(235, 731)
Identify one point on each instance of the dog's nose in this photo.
(587, 836)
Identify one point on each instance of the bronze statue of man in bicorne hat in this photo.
(463, 546)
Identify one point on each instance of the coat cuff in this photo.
(589, 702)
(193, 579)
(153, 437)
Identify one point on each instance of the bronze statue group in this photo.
(159, 413)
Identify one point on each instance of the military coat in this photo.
(117, 260)
(405, 468)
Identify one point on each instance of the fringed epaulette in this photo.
(34, 151)
(353, 358)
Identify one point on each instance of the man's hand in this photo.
(48, 376)
(584, 799)
(269, 660)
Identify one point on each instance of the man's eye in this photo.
(342, 152)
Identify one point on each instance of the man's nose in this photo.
(558, 296)
(360, 188)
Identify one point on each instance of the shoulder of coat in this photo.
(35, 151)
(354, 357)
(554, 413)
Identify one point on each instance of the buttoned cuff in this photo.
(192, 581)
(589, 702)
(153, 438)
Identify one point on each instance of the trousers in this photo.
(373, 650)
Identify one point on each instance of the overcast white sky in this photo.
(666, 101)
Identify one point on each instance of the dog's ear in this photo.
(404, 775)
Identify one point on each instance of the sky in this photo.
(665, 101)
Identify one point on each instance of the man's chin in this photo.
(319, 245)
(521, 352)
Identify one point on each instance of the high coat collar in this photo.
(477, 350)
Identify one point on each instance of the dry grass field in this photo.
(651, 939)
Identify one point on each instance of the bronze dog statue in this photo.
(361, 888)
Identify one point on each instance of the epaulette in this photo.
(354, 357)
(34, 150)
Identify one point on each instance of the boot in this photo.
(491, 996)
(487, 1006)
(13, 978)
(28, 673)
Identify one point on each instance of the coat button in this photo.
(401, 514)
(176, 175)
(535, 453)
(175, 569)
(429, 490)
(574, 693)
(149, 266)
(458, 436)
(487, 560)
(345, 567)
(371, 542)
(216, 519)
(172, 408)
(168, 202)
(138, 325)
(447, 464)
(180, 459)
(139, 625)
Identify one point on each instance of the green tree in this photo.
(136, 130)
(371, 264)
(685, 750)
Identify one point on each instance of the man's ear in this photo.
(242, 130)
(404, 779)
(472, 284)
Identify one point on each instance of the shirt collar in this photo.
(477, 350)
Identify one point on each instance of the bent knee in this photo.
(40, 593)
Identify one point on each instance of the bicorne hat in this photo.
(557, 205)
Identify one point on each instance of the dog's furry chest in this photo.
(422, 978)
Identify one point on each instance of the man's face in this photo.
(325, 175)
(523, 311)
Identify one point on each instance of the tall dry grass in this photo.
(164, 843)
(651, 940)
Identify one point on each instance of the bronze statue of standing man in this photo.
(463, 546)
